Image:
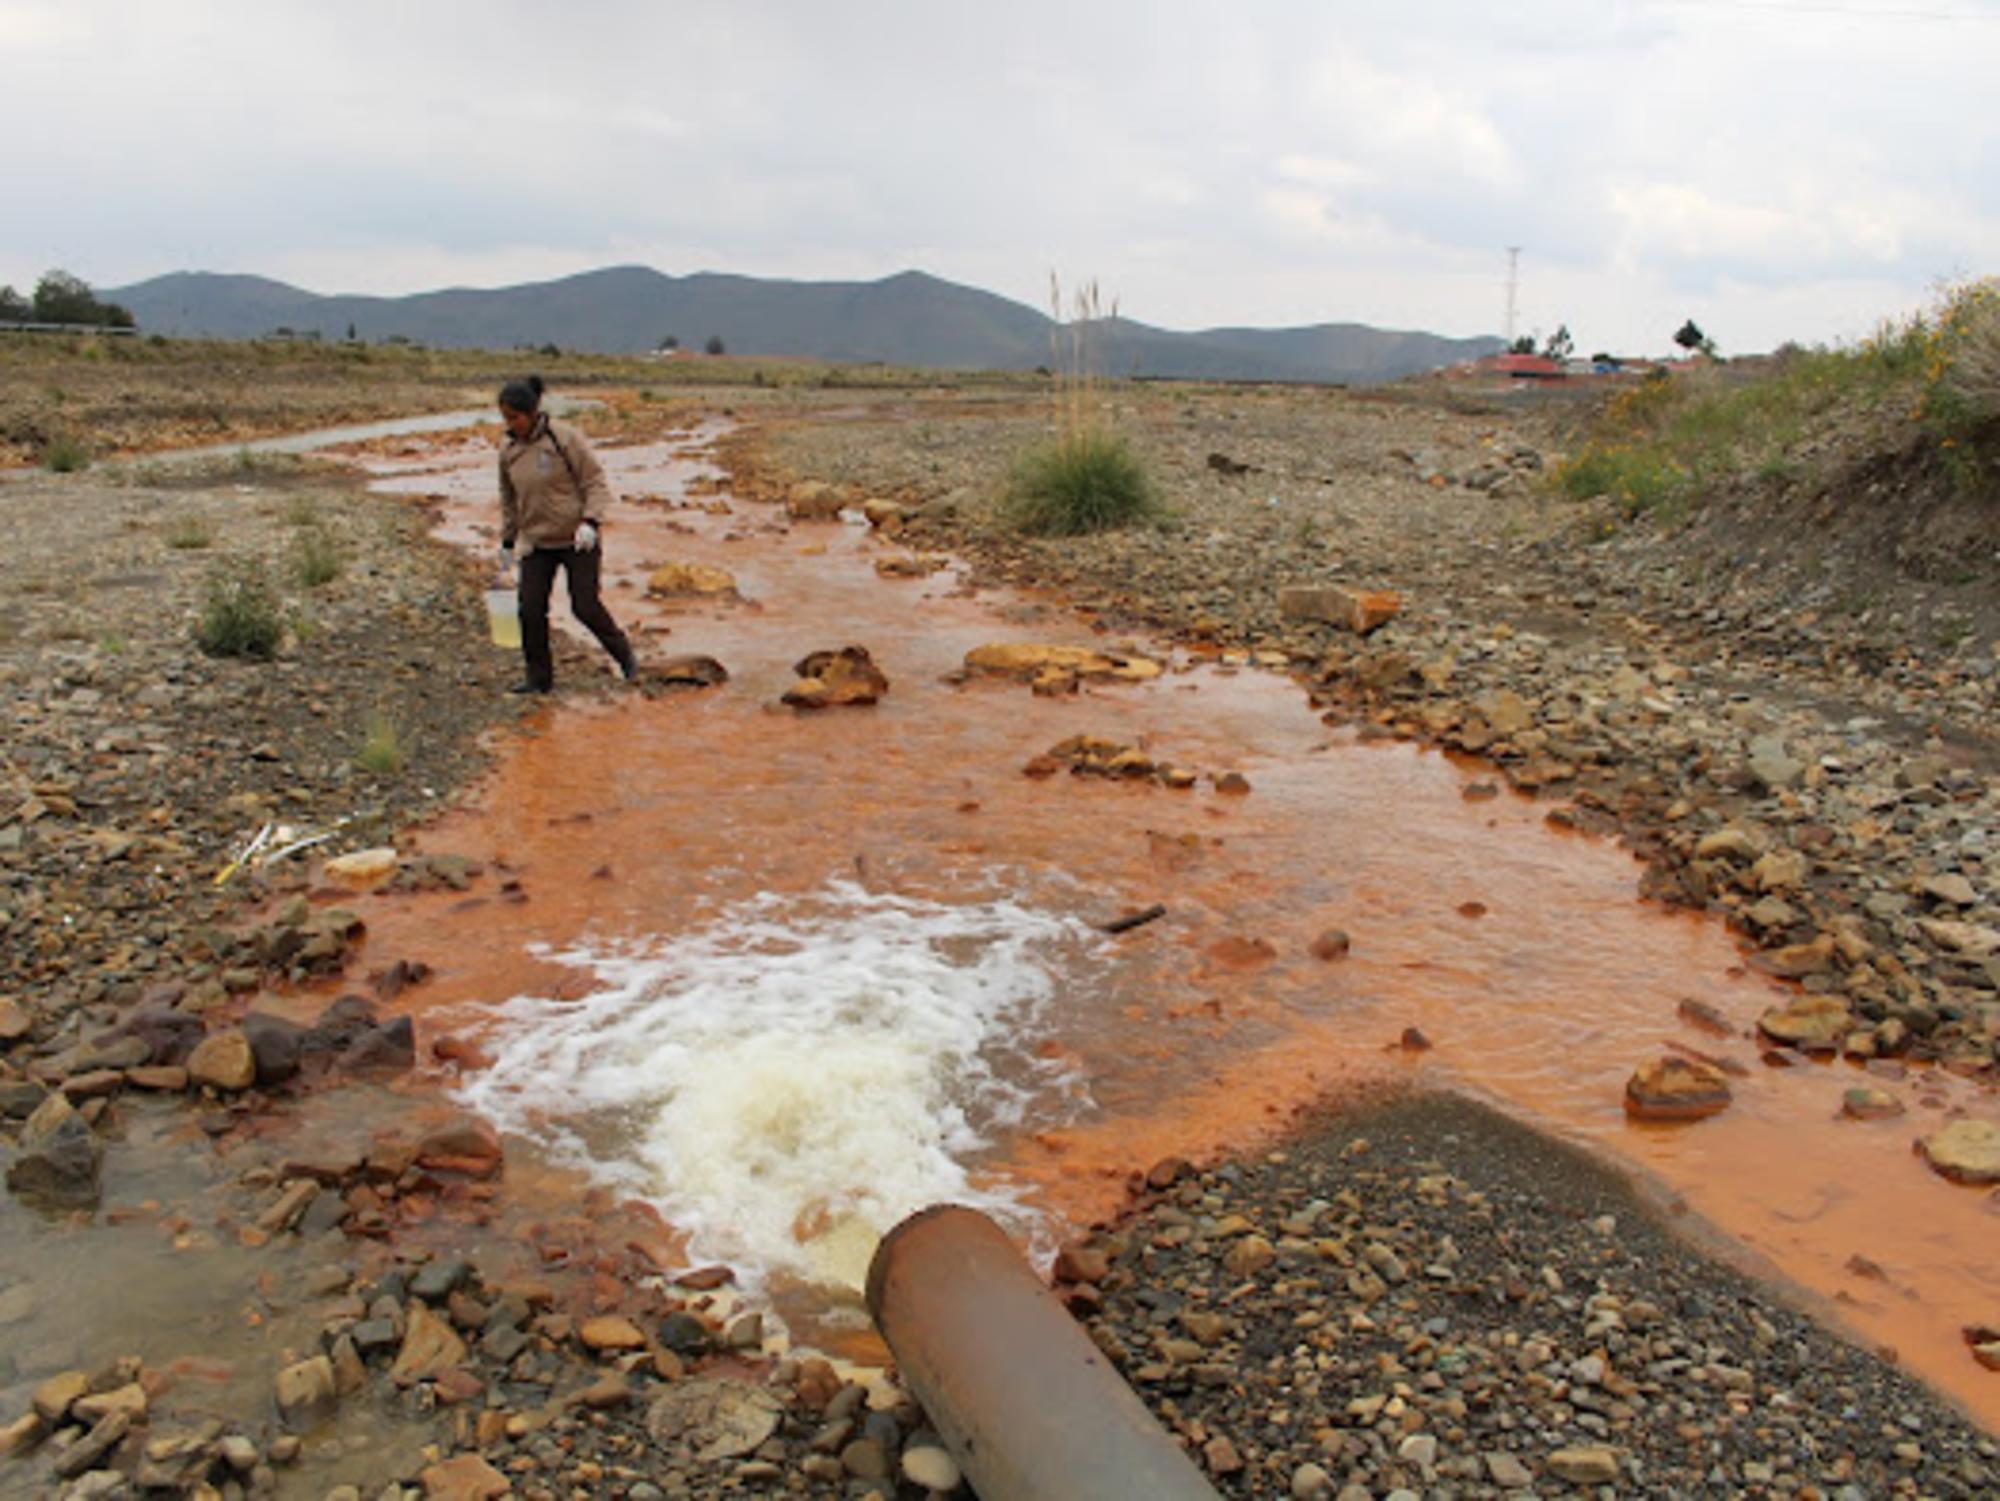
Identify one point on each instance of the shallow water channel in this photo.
(788, 975)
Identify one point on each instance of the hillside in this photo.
(907, 319)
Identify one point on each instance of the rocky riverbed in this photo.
(201, 1078)
(1828, 778)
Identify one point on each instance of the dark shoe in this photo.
(530, 688)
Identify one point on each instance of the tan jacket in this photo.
(548, 485)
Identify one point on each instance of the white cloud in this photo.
(1279, 162)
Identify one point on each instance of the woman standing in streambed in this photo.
(553, 496)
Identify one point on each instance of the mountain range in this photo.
(908, 319)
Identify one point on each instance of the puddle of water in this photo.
(1521, 951)
(212, 1319)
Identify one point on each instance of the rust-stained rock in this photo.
(886, 516)
(1966, 1151)
(692, 670)
(814, 500)
(466, 1144)
(701, 580)
(464, 1477)
(1358, 610)
(1811, 1021)
(1676, 1089)
(611, 1332)
(363, 870)
(430, 1348)
(1797, 960)
(1027, 660)
(223, 1060)
(828, 679)
(1865, 1102)
(908, 565)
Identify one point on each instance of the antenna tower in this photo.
(1513, 288)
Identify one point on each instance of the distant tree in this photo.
(671, 341)
(1690, 337)
(63, 298)
(352, 337)
(1604, 357)
(1560, 345)
(14, 307)
(714, 344)
(1523, 345)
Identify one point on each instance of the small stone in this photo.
(1589, 1464)
(611, 1332)
(363, 870)
(60, 1157)
(464, 1477)
(684, 1334)
(1333, 943)
(1966, 1151)
(306, 1393)
(1221, 1456)
(1865, 1102)
(129, 1399)
(1249, 1256)
(21, 1435)
(932, 1468)
(1810, 1021)
(864, 1460)
(53, 1397)
(1673, 1088)
(1311, 1483)
(430, 1346)
(744, 1332)
(608, 1391)
(223, 1060)
(15, 1020)
(1507, 1472)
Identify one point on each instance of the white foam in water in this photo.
(789, 1082)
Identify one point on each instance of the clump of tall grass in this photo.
(190, 534)
(316, 557)
(240, 613)
(65, 454)
(382, 751)
(1087, 477)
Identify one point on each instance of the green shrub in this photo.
(1086, 481)
(316, 557)
(381, 750)
(240, 613)
(64, 455)
(190, 534)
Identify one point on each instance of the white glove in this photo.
(586, 537)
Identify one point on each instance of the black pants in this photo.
(538, 579)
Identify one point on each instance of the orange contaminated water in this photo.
(1520, 951)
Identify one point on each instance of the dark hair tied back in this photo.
(523, 394)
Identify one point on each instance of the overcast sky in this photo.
(1772, 168)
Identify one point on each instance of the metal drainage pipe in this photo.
(1027, 1404)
